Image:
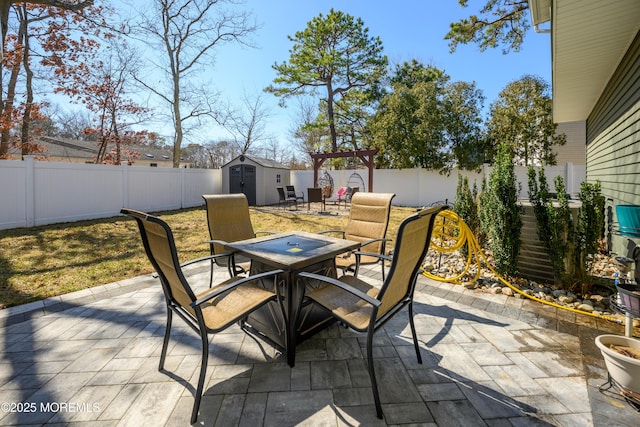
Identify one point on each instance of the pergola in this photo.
(365, 155)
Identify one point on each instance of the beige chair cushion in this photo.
(223, 309)
(347, 307)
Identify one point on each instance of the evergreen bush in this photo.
(500, 213)
(570, 242)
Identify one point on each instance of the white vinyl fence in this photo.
(420, 187)
(38, 193)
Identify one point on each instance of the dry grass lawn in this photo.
(41, 262)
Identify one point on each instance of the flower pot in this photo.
(624, 370)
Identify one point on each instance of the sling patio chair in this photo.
(228, 220)
(291, 192)
(314, 195)
(284, 198)
(365, 307)
(209, 312)
(368, 222)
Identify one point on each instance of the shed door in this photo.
(242, 179)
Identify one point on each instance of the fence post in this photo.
(30, 191)
(183, 187)
(125, 184)
(570, 180)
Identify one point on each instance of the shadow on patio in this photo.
(98, 362)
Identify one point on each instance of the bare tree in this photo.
(248, 125)
(187, 32)
(219, 153)
(73, 123)
(307, 135)
(273, 149)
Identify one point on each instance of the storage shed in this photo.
(256, 177)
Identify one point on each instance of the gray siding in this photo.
(613, 136)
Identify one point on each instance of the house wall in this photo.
(613, 141)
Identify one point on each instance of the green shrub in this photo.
(466, 206)
(590, 221)
(500, 213)
(569, 243)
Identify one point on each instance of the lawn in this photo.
(41, 262)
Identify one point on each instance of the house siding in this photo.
(613, 140)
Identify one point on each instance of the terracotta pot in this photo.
(624, 370)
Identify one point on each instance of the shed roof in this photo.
(267, 163)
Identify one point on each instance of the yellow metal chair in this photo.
(209, 312)
(368, 222)
(229, 221)
(365, 307)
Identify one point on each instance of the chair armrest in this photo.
(219, 242)
(368, 242)
(331, 231)
(264, 232)
(371, 254)
(356, 292)
(208, 257)
(234, 284)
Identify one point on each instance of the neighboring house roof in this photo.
(87, 150)
(267, 163)
(588, 40)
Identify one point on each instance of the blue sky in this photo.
(408, 29)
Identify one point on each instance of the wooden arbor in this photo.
(365, 155)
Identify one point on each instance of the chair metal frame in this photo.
(349, 285)
(192, 313)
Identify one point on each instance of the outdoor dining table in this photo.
(293, 319)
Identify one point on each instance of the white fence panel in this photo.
(153, 189)
(73, 192)
(13, 202)
(421, 187)
(39, 193)
(198, 182)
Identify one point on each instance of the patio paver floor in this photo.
(91, 358)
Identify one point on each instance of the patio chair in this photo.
(314, 195)
(229, 221)
(208, 312)
(365, 307)
(341, 195)
(284, 198)
(348, 195)
(291, 192)
(368, 222)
